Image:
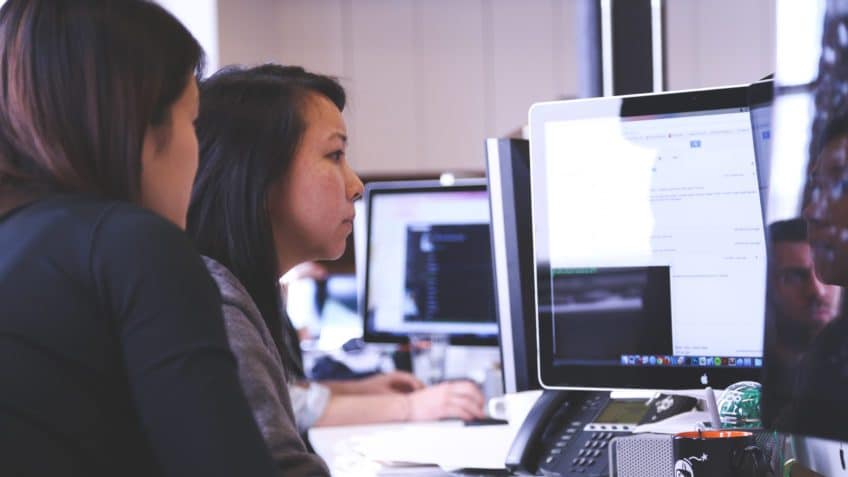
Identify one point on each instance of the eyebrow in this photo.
(340, 136)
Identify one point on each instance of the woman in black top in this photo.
(113, 356)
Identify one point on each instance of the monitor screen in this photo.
(429, 262)
(649, 241)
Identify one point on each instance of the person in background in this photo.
(113, 354)
(822, 368)
(804, 304)
(274, 189)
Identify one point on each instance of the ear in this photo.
(157, 137)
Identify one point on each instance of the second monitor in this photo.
(428, 262)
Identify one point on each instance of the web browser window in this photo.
(659, 215)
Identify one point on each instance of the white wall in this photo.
(428, 80)
(201, 19)
(719, 42)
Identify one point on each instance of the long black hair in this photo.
(250, 124)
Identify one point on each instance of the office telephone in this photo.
(567, 433)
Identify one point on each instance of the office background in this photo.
(428, 80)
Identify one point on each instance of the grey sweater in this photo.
(262, 376)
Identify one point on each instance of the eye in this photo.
(795, 277)
(336, 155)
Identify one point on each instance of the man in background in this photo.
(803, 304)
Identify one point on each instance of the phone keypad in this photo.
(579, 447)
(589, 460)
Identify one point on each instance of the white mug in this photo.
(512, 407)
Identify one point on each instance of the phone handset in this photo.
(526, 449)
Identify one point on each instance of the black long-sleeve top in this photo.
(113, 355)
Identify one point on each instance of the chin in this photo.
(334, 253)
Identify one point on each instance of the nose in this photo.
(354, 186)
(816, 288)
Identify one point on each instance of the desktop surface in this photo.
(421, 448)
(428, 263)
(649, 241)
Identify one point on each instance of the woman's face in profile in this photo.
(311, 206)
(169, 159)
(827, 212)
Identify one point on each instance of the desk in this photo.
(436, 448)
(390, 449)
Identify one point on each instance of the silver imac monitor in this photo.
(648, 240)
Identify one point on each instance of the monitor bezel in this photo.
(514, 298)
(761, 94)
(410, 187)
(615, 376)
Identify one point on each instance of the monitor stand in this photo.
(677, 421)
(471, 361)
(712, 408)
(461, 362)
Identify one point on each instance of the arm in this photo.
(263, 380)
(344, 410)
(394, 382)
(181, 374)
(458, 399)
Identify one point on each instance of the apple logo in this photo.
(704, 379)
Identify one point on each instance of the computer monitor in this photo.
(429, 262)
(761, 100)
(648, 240)
(360, 232)
(508, 174)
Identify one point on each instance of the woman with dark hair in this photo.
(113, 353)
(273, 190)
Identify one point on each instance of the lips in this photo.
(822, 312)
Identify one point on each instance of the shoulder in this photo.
(232, 291)
(135, 224)
(71, 213)
(129, 237)
(246, 329)
(132, 248)
(238, 305)
(92, 227)
(86, 210)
